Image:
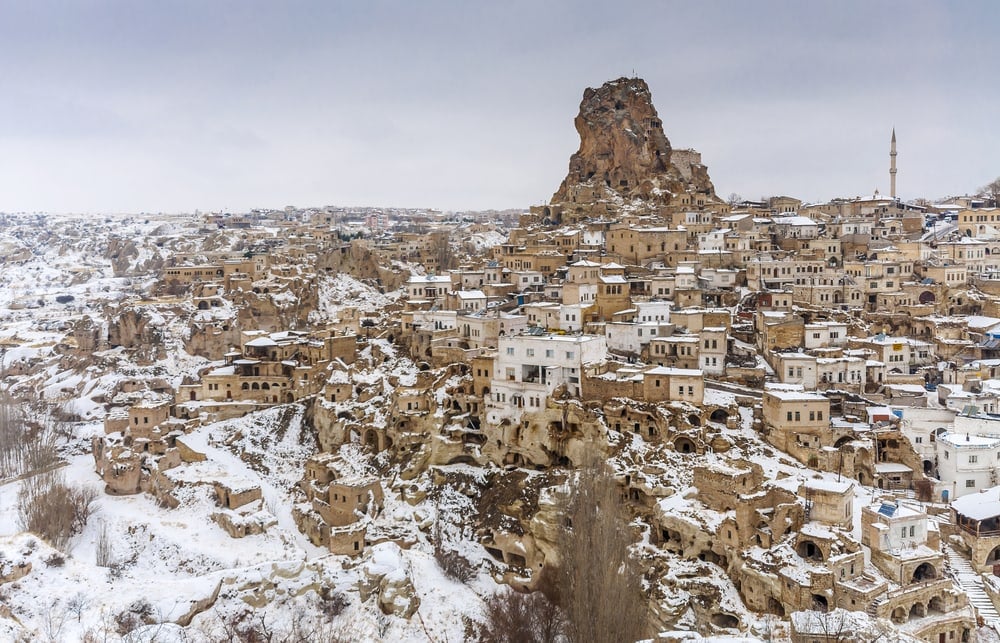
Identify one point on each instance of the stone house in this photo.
(680, 351)
(340, 507)
(270, 368)
(797, 422)
(529, 367)
(829, 501)
(977, 517)
(662, 383)
(904, 544)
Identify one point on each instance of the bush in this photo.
(332, 604)
(55, 560)
(138, 614)
(54, 510)
(23, 447)
(512, 617)
(103, 553)
(600, 584)
(455, 566)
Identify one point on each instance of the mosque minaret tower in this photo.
(892, 165)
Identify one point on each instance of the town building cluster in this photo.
(852, 345)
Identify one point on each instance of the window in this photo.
(789, 418)
(569, 354)
(973, 459)
(969, 484)
(549, 352)
(812, 415)
(903, 530)
(510, 350)
(918, 439)
(912, 530)
(946, 455)
(797, 416)
(819, 415)
(530, 352)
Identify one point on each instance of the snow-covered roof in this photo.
(429, 279)
(795, 396)
(833, 486)
(794, 221)
(666, 370)
(892, 467)
(968, 440)
(979, 506)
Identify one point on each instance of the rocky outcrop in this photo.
(357, 260)
(384, 575)
(624, 153)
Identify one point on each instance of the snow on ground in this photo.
(342, 290)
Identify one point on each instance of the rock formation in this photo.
(625, 156)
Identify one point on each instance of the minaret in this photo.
(892, 165)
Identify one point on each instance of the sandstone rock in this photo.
(624, 153)
(384, 574)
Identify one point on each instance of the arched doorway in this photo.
(926, 297)
(847, 439)
(924, 571)
(694, 420)
(719, 415)
(994, 556)
(684, 445)
(808, 549)
(819, 603)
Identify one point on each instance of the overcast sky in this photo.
(174, 106)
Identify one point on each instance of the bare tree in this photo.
(104, 555)
(599, 584)
(23, 447)
(52, 509)
(513, 617)
(991, 191)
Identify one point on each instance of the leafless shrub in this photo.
(55, 560)
(332, 604)
(24, 447)
(137, 614)
(49, 507)
(455, 566)
(513, 617)
(76, 605)
(600, 586)
(103, 551)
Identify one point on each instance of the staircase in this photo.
(972, 583)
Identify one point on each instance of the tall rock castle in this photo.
(625, 160)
